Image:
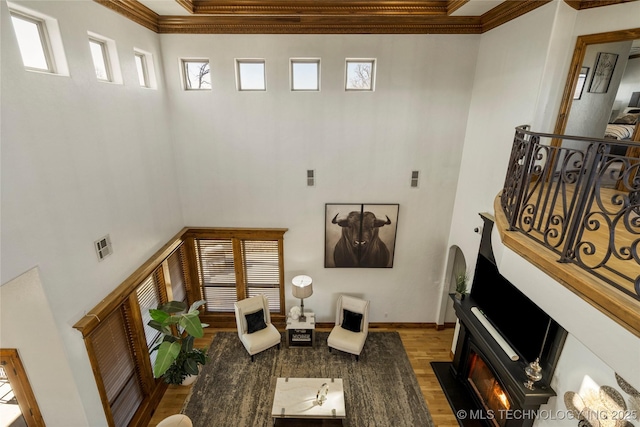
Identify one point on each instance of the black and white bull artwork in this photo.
(359, 244)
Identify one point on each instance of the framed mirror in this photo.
(603, 76)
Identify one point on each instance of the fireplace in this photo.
(490, 393)
(485, 382)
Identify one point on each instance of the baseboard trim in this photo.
(229, 321)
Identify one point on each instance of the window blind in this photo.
(176, 273)
(148, 298)
(116, 365)
(260, 260)
(217, 274)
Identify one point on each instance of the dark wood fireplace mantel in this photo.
(511, 373)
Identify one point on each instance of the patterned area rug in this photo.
(380, 390)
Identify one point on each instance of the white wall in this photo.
(488, 141)
(578, 371)
(43, 357)
(243, 156)
(80, 159)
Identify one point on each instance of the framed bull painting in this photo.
(360, 235)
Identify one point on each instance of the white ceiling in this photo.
(476, 7)
(165, 7)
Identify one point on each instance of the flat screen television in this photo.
(520, 321)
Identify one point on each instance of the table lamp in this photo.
(302, 288)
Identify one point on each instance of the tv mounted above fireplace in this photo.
(520, 322)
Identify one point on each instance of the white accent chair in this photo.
(349, 334)
(177, 420)
(262, 339)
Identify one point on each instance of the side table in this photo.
(302, 334)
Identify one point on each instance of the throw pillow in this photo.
(351, 321)
(628, 119)
(255, 321)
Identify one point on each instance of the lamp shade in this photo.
(302, 286)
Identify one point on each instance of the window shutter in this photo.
(117, 367)
(262, 270)
(176, 273)
(149, 297)
(217, 274)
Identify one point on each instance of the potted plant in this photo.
(177, 359)
(461, 285)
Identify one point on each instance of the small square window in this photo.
(251, 74)
(305, 74)
(32, 41)
(197, 74)
(141, 67)
(39, 40)
(100, 58)
(360, 74)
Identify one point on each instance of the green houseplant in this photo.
(179, 327)
(461, 285)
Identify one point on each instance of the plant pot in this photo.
(189, 379)
(459, 296)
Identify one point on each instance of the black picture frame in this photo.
(360, 235)
(582, 78)
(602, 72)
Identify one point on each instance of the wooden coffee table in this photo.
(296, 398)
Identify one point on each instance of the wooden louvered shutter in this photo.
(116, 365)
(261, 265)
(176, 273)
(217, 274)
(148, 297)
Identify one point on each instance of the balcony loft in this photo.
(571, 206)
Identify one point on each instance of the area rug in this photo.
(380, 389)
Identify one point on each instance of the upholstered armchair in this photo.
(352, 325)
(255, 329)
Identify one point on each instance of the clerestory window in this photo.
(360, 74)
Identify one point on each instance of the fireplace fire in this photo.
(488, 390)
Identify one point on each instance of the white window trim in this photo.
(183, 73)
(105, 59)
(152, 82)
(51, 33)
(374, 73)
(111, 58)
(304, 61)
(239, 61)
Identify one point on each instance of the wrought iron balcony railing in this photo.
(580, 198)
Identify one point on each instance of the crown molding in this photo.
(588, 4)
(330, 16)
(135, 11)
(453, 5)
(507, 11)
(188, 5)
(314, 7)
(319, 25)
